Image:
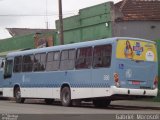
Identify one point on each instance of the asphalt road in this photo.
(38, 110)
(39, 107)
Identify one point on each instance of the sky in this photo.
(36, 13)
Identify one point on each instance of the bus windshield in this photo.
(136, 50)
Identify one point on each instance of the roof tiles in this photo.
(139, 9)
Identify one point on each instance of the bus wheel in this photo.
(101, 103)
(49, 101)
(18, 98)
(66, 97)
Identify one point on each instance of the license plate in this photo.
(135, 82)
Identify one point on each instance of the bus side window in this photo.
(53, 60)
(84, 58)
(27, 65)
(8, 68)
(17, 64)
(40, 62)
(102, 56)
(67, 59)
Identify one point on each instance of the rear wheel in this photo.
(49, 101)
(17, 94)
(66, 97)
(101, 103)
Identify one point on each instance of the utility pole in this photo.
(47, 14)
(61, 23)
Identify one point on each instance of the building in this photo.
(137, 18)
(26, 31)
(129, 18)
(27, 39)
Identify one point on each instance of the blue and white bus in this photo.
(99, 71)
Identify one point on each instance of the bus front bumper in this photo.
(135, 92)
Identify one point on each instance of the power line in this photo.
(45, 14)
(19, 15)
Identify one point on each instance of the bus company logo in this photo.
(138, 49)
(150, 56)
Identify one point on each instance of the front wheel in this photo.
(66, 97)
(17, 94)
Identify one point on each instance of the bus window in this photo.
(84, 58)
(53, 59)
(40, 62)
(27, 63)
(8, 68)
(102, 56)
(67, 59)
(17, 64)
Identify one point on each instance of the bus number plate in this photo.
(135, 82)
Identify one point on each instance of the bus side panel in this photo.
(80, 82)
(7, 92)
(40, 93)
(102, 79)
(40, 84)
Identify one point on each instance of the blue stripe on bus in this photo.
(58, 85)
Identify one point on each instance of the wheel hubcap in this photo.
(18, 95)
(66, 97)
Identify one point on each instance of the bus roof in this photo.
(73, 45)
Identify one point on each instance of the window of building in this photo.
(67, 59)
(27, 63)
(102, 56)
(84, 58)
(17, 64)
(53, 59)
(40, 62)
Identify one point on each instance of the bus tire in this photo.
(66, 97)
(101, 103)
(17, 94)
(49, 101)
